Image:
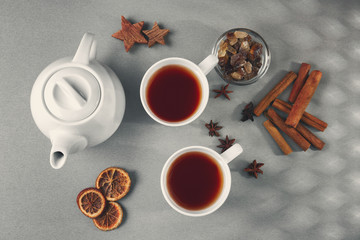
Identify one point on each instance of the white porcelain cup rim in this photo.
(200, 71)
(222, 159)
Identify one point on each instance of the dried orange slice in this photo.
(111, 217)
(91, 202)
(114, 182)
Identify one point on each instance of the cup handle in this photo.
(232, 153)
(86, 51)
(208, 63)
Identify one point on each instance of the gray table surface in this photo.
(307, 195)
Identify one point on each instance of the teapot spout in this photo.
(62, 146)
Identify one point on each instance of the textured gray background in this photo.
(312, 195)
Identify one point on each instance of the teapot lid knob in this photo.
(72, 94)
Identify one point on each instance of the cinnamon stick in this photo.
(290, 131)
(279, 88)
(299, 82)
(307, 118)
(308, 135)
(275, 134)
(303, 99)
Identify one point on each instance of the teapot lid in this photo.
(72, 94)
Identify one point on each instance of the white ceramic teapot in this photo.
(77, 102)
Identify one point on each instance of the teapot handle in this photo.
(86, 51)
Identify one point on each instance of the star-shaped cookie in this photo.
(156, 35)
(130, 33)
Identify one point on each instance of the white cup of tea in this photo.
(196, 180)
(175, 91)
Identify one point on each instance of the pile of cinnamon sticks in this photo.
(303, 89)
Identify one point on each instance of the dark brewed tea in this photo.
(173, 93)
(194, 180)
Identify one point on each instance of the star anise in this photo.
(130, 33)
(248, 112)
(213, 128)
(226, 143)
(223, 91)
(156, 35)
(254, 168)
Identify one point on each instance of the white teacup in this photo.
(200, 71)
(222, 161)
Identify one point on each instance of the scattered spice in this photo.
(247, 112)
(304, 98)
(278, 121)
(254, 168)
(223, 91)
(274, 93)
(130, 33)
(299, 81)
(213, 128)
(226, 143)
(301, 95)
(278, 138)
(239, 56)
(307, 118)
(156, 35)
